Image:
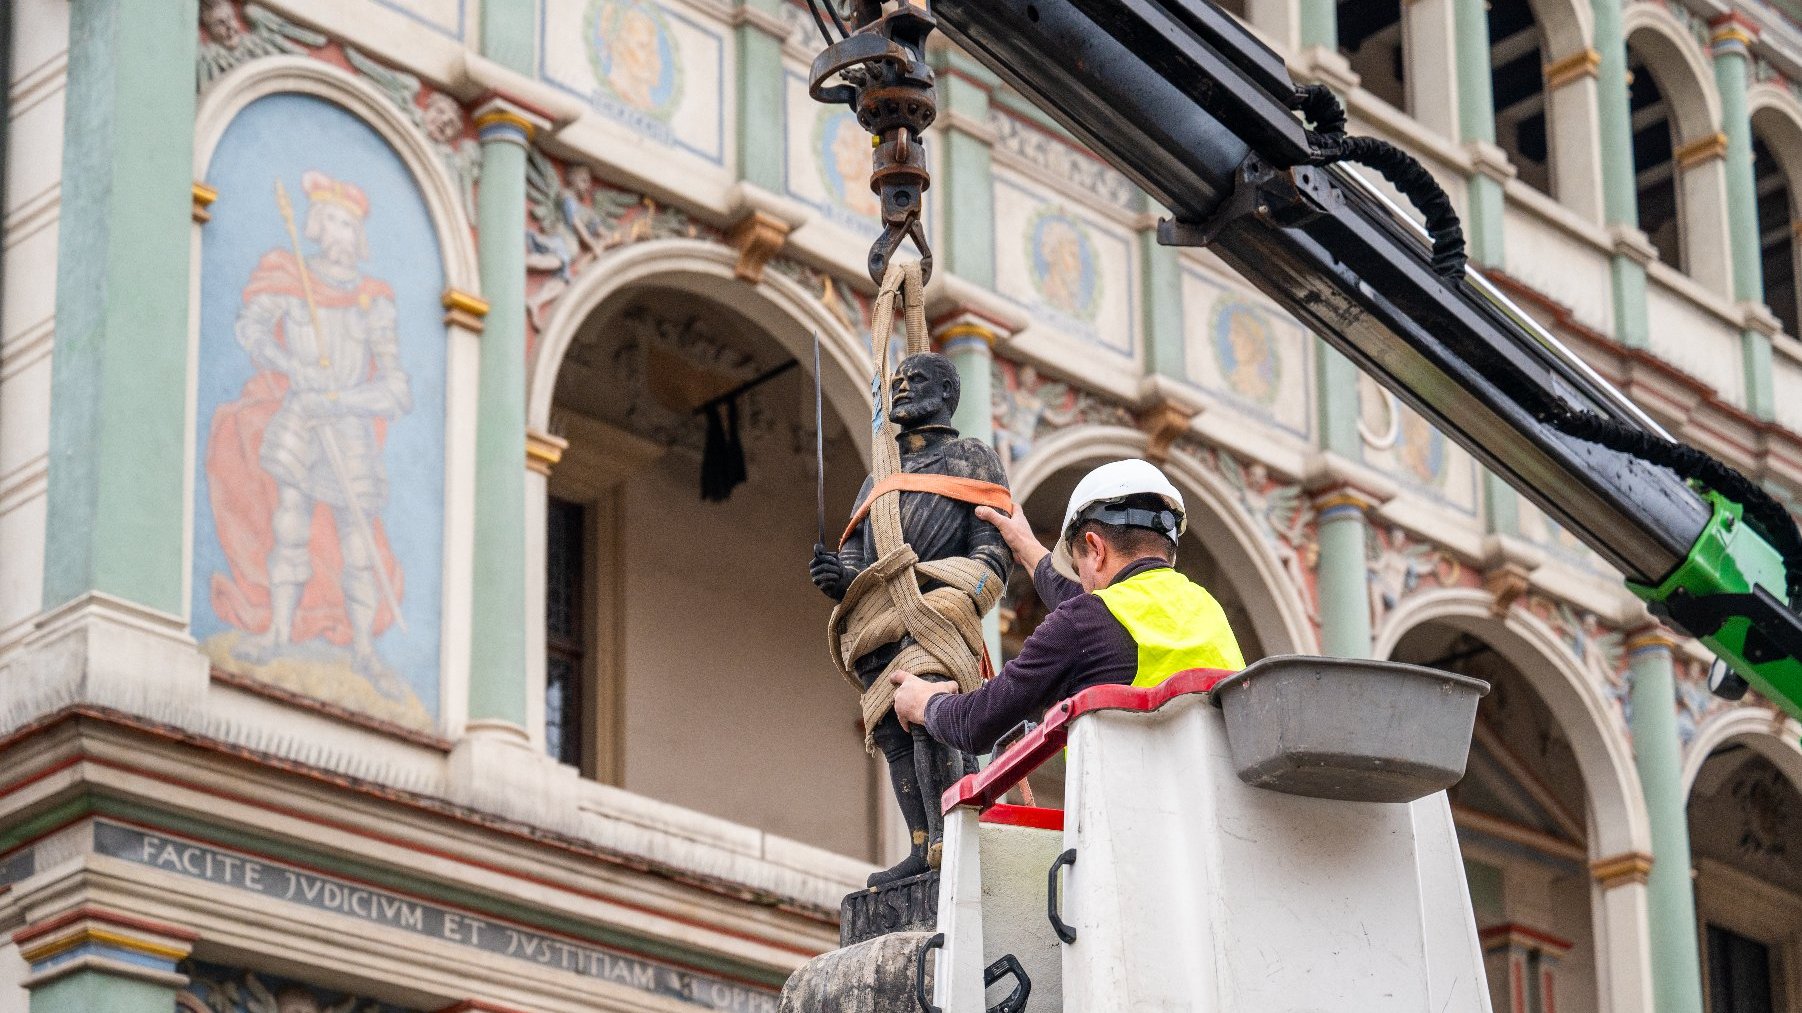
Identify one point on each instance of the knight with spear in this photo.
(322, 336)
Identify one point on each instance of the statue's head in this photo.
(924, 391)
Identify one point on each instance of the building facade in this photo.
(366, 642)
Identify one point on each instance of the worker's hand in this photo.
(1017, 533)
(911, 695)
(829, 573)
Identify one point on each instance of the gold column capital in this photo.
(1626, 868)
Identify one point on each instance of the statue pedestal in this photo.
(906, 905)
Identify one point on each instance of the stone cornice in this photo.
(1627, 868)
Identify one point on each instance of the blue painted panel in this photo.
(319, 478)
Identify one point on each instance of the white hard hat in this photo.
(1107, 484)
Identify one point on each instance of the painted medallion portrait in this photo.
(634, 54)
(842, 149)
(319, 478)
(1421, 449)
(1245, 348)
(1062, 262)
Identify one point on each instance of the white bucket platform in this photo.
(1182, 888)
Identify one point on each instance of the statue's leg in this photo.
(938, 767)
(898, 749)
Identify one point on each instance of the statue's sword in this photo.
(334, 454)
(819, 440)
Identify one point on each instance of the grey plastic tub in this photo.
(1361, 731)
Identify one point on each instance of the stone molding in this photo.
(1700, 151)
(543, 451)
(1625, 869)
(757, 237)
(90, 937)
(204, 196)
(464, 309)
(1575, 67)
(1335, 484)
(1508, 564)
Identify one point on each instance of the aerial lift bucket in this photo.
(1275, 840)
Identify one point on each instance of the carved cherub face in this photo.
(221, 23)
(579, 179)
(443, 118)
(925, 391)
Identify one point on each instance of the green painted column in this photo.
(509, 35)
(497, 663)
(93, 959)
(968, 341)
(118, 426)
(1619, 191)
(90, 991)
(761, 93)
(965, 245)
(1670, 897)
(1165, 343)
(1476, 124)
(1730, 42)
(1320, 23)
(1344, 576)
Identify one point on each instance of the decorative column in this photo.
(1730, 41)
(1437, 63)
(1670, 900)
(968, 339)
(1620, 209)
(93, 959)
(497, 677)
(1622, 950)
(761, 91)
(1320, 24)
(1523, 967)
(1166, 352)
(114, 566)
(966, 241)
(1476, 128)
(1343, 587)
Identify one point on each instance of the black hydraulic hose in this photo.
(1761, 510)
(1407, 175)
(1322, 109)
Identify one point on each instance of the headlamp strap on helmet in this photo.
(1161, 521)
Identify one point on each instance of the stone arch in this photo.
(779, 305)
(1280, 616)
(1677, 60)
(1617, 827)
(1565, 25)
(1777, 168)
(1686, 187)
(303, 75)
(1617, 813)
(1770, 736)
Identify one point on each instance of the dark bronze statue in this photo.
(925, 394)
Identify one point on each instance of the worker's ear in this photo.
(1093, 543)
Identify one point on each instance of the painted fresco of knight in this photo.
(295, 465)
(926, 390)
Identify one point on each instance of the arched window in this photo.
(1654, 168)
(1520, 811)
(1517, 86)
(1742, 810)
(1370, 38)
(1776, 224)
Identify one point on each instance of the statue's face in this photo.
(924, 390)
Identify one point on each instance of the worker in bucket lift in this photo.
(1119, 614)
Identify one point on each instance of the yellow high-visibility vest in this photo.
(1176, 623)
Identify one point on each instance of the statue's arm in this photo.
(832, 572)
(986, 542)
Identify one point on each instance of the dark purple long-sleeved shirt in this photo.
(1080, 644)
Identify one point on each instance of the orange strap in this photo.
(964, 490)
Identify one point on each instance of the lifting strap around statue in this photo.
(885, 602)
(974, 491)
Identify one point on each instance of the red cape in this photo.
(243, 496)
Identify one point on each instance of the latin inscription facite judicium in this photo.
(326, 893)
